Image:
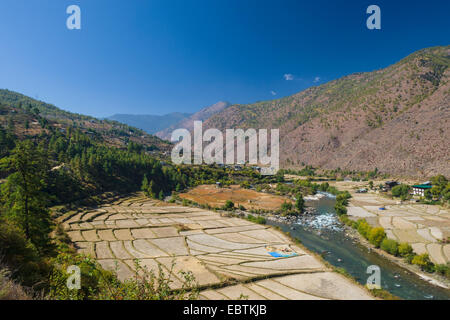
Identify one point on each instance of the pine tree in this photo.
(300, 203)
(144, 186)
(24, 196)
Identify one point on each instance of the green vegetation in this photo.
(401, 191)
(424, 262)
(390, 246)
(55, 165)
(299, 203)
(229, 205)
(258, 219)
(377, 237)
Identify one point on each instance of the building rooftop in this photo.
(423, 186)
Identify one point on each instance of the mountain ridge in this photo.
(188, 123)
(150, 123)
(394, 119)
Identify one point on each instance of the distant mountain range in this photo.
(396, 119)
(188, 123)
(162, 126)
(150, 123)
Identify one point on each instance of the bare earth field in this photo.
(423, 226)
(250, 199)
(216, 249)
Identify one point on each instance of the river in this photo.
(324, 234)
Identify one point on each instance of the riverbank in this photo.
(432, 278)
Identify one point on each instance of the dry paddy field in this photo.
(423, 226)
(250, 199)
(215, 249)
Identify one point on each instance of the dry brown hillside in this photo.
(395, 119)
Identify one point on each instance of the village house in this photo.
(419, 189)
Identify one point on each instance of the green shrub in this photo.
(259, 219)
(424, 262)
(98, 284)
(401, 191)
(376, 236)
(390, 246)
(340, 209)
(286, 206)
(405, 249)
(443, 269)
(363, 228)
(229, 205)
(21, 256)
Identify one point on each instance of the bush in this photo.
(424, 262)
(259, 219)
(21, 256)
(443, 269)
(286, 206)
(300, 203)
(376, 236)
(343, 198)
(99, 284)
(363, 228)
(405, 250)
(340, 209)
(390, 246)
(401, 191)
(229, 205)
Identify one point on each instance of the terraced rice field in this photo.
(425, 227)
(262, 262)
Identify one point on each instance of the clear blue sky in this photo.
(155, 57)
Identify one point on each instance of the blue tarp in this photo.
(282, 255)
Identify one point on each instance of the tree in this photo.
(229, 205)
(300, 203)
(376, 236)
(423, 261)
(144, 186)
(286, 206)
(401, 191)
(340, 209)
(390, 246)
(405, 249)
(363, 228)
(24, 194)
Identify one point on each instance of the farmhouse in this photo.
(419, 189)
(390, 184)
